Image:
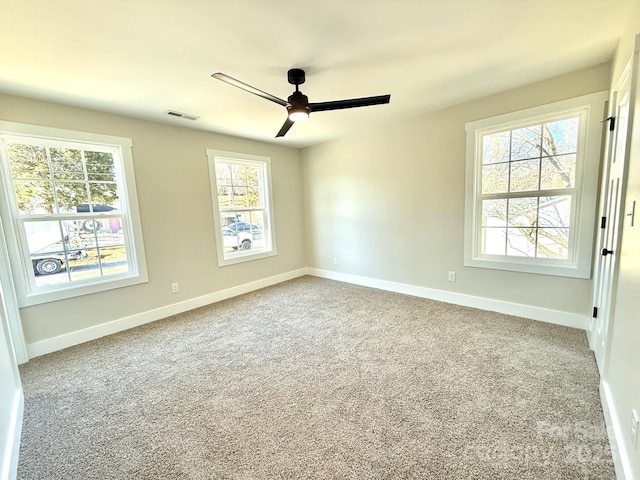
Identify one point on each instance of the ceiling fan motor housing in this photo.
(298, 100)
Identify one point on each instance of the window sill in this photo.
(529, 267)
(233, 259)
(37, 298)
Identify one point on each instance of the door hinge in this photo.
(603, 222)
(595, 312)
(612, 123)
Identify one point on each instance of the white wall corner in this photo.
(60, 342)
(557, 317)
(621, 459)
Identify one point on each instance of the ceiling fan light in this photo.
(298, 114)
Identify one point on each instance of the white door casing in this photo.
(11, 400)
(11, 303)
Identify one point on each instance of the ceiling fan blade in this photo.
(351, 103)
(285, 128)
(248, 88)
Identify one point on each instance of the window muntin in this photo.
(74, 229)
(532, 188)
(242, 206)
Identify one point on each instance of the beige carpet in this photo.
(316, 379)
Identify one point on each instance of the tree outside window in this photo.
(528, 185)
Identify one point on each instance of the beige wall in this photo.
(622, 374)
(625, 45)
(175, 208)
(390, 203)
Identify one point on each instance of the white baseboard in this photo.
(54, 344)
(9, 459)
(557, 317)
(621, 460)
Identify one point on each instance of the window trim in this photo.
(19, 264)
(212, 155)
(583, 219)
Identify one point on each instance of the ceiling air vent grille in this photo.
(186, 116)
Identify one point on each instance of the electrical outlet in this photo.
(175, 288)
(451, 276)
(335, 260)
(635, 425)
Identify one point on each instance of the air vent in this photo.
(186, 116)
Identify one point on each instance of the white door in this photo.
(612, 204)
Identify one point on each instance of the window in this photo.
(241, 197)
(532, 186)
(71, 210)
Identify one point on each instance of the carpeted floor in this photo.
(316, 379)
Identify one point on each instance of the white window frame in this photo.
(269, 228)
(584, 205)
(28, 293)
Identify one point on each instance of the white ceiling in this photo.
(145, 57)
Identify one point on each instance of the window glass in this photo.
(522, 165)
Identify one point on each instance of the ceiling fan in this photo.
(297, 105)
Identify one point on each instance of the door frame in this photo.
(630, 74)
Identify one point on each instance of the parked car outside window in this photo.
(241, 235)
